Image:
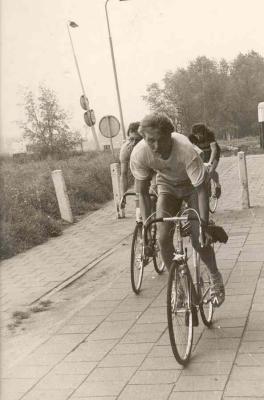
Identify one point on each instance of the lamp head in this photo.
(73, 24)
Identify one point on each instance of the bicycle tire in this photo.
(205, 306)
(213, 200)
(158, 263)
(179, 314)
(136, 260)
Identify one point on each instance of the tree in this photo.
(221, 94)
(246, 90)
(46, 126)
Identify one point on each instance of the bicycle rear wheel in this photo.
(137, 260)
(206, 306)
(179, 314)
(158, 263)
(213, 200)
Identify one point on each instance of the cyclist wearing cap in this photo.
(180, 176)
(204, 138)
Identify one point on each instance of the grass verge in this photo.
(28, 206)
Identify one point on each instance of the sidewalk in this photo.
(117, 345)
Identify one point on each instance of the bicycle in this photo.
(185, 296)
(138, 258)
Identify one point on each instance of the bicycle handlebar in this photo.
(182, 218)
(123, 199)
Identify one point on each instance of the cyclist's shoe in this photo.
(217, 191)
(217, 290)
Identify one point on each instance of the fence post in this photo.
(62, 195)
(242, 166)
(115, 175)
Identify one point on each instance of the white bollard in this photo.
(242, 166)
(115, 175)
(62, 195)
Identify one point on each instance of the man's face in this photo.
(199, 135)
(134, 138)
(158, 142)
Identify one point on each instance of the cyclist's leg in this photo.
(207, 255)
(167, 205)
(215, 177)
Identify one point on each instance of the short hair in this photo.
(133, 127)
(157, 121)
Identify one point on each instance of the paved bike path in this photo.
(30, 275)
(117, 345)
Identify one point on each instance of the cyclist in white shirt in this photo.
(180, 176)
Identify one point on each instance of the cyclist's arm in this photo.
(142, 188)
(203, 202)
(124, 177)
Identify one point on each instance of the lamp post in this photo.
(72, 24)
(115, 73)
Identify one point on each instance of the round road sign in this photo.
(109, 126)
(89, 117)
(84, 102)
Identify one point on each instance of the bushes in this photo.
(28, 206)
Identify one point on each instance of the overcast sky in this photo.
(150, 37)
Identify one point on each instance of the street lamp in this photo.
(72, 24)
(115, 73)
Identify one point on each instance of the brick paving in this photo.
(117, 346)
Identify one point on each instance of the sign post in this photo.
(62, 195)
(261, 123)
(242, 166)
(109, 127)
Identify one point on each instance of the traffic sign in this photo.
(109, 126)
(89, 117)
(84, 102)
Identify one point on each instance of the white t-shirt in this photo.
(184, 167)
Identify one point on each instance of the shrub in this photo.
(29, 210)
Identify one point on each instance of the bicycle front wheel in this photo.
(137, 260)
(179, 314)
(213, 200)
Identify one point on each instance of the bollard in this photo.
(62, 195)
(115, 176)
(242, 166)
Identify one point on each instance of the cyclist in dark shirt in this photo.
(204, 138)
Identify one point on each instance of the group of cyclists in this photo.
(179, 167)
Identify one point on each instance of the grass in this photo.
(28, 206)
(249, 144)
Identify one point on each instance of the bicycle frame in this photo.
(181, 254)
